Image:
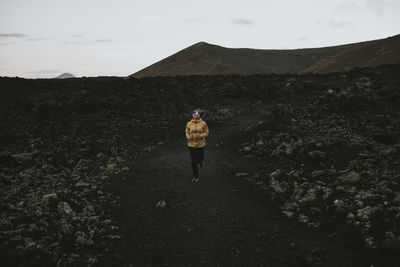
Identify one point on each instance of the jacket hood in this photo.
(197, 121)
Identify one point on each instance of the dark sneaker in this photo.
(195, 180)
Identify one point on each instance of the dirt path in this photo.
(220, 221)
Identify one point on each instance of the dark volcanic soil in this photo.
(223, 220)
(299, 170)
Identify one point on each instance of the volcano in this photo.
(65, 75)
(208, 59)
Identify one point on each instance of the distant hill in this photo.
(366, 54)
(65, 75)
(208, 59)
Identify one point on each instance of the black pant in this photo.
(197, 156)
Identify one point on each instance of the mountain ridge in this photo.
(65, 75)
(203, 58)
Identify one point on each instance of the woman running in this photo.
(196, 132)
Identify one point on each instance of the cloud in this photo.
(152, 18)
(103, 40)
(12, 35)
(346, 7)
(332, 23)
(35, 39)
(377, 6)
(9, 36)
(339, 24)
(242, 22)
(76, 36)
(193, 20)
(44, 73)
(70, 43)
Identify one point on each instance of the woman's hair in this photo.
(200, 111)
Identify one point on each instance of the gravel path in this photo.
(223, 220)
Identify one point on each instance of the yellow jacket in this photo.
(198, 131)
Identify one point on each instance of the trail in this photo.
(221, 221)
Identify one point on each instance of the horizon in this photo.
(83, 76)
(44, 39)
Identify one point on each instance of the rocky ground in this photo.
(61, 141)
(329, 146)
(333, 157)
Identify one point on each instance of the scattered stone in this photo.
(370, 242)
(317, 174)
(81, 238)
(388, 151)
(260, 143)
(289, 214)
(161, 204)
(366, 212)
(247, 148)
(338, 203)
(81, 184)
(276, 174)
(308, 142)
(64, 208)
(111, 166)
(351, 177)
(290, 206)
(309, 196)
(278, 187)
(303, 218)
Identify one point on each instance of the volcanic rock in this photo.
(64, 208)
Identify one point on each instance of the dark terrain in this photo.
(300, 170)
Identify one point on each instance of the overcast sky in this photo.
(44, 38)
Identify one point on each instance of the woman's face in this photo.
(196, 115)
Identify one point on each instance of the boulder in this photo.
(64, 208)
(309, 196)
(289, 214)
(366, 212)
(276, 174)
(81, 184)
(290, 206)
(351, 177)
(303, 218)
(49, 198)
(278, 187)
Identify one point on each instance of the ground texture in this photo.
(223, 220)
(299, 170)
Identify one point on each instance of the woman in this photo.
(196, 132)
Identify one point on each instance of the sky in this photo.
(45, 38)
